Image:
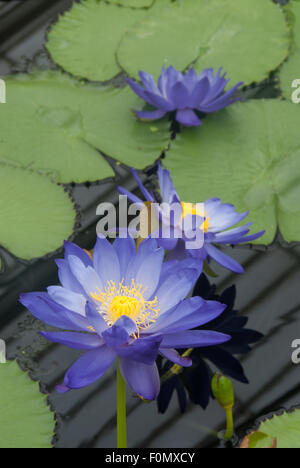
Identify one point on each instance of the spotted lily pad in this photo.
(84, 41)
(290, 71)
(54, 123)
(36, 215)
(249, 38)
(281, 431)
(248, 155)
(25, 418)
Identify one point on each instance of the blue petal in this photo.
(188, 118)
(179, 96)
(150, 115)
(126, 251)
(194, 339)
(138, 89)
(76, 251)
(87, 277)
(106, 261)
(143, 189)
(89, 368)
(95, 319)
(173, 356)
(143, 379)
(82, 341)
(143, 350)
(119, 334)
(149, 272)
(224, 259)
(146, 248)
(48, 311)
(68, 299)
(66, 277)
(130, 196)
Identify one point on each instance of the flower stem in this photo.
(230, 425)
(121, 410)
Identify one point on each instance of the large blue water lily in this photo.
(125, 304)
(184, 93)
(214, 218)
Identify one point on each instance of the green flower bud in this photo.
(223, 391)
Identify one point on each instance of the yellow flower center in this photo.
(195, 209)
(118, 301)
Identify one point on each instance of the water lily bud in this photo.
(223, 391)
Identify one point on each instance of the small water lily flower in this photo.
(196, 381)
(186, 94)
(124, 304)
(215, 219)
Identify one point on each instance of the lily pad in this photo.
(290, 71)
(42, 127)
(25, 418)
(248, 38)
(36, 215)
(285, 429)
(132, 3)
(84, 41)
(247, 155)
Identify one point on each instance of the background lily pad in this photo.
(284, 428)
(54, 123)
(25, 419)
(42, 127)
(132, 3)
(248, 155)
(249, 38)
(290, 70)
(36, 215)
(84, 41)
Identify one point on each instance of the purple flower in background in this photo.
(214, 218)
(186, 94)
(125, 304)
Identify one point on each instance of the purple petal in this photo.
(133, 198)
(252, 237)
(95, 319)
(188, 118)
(149, 272)
(224, 259)
(200, 91)
(126, 251)
(82, 341)
(62, 389)
(137, 89)
(142, 188)
(143, 350)
(119, 334)
(150, 115)
(173, 356)
(167, 188)
(48, 311)
(89, 368)
(142, 379)
(149, 82)
(194, 339)
(68, 299)
(146, 248)
(158, 101)
(106, 261)
(179, 96)
(87, 277)
(67, 279)
(75, 251)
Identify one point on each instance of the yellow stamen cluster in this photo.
(117, 301)
(195, 209)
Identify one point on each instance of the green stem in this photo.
(230, 425)
(121, 410)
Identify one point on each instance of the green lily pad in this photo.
(248, 38)
(285, 429)
(42, 127)
(132, 3)
(84, 41)
(25, 418)
(36, 215)
(290, 70)
(248, 155)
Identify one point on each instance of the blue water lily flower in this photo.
(196, 380)
(125, 304)
(188, 94)
(215, 219)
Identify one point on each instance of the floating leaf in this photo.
(42, 127)
(283, 429)
(36, 215)
(25, 419)
(132, 3)
(249, 38)
(84, 41)
(248, 155)
(290, 71)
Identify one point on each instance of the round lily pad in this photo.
(248, 38)
(42, 127)
(132, 3)
(290, 70)
(36, 215)
(64, 123)
(25, 418)
(247, 155)
(84, 41)
(280, 431)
